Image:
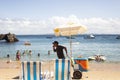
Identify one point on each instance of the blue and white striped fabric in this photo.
(58, 69)
(62, 69)
(31, 70)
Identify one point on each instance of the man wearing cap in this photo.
(59, 49)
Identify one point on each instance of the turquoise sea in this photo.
(106, 45)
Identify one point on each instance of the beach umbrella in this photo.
(69, 30)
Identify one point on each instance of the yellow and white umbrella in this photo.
(70, 30)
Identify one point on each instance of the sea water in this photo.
(106, 45)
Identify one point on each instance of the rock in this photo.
(8, 37)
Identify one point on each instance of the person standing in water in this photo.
(18, 55)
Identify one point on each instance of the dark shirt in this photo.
(59, 51)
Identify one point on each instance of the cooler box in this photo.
(81, 64)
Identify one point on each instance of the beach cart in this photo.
(79, 65)
(57, 69)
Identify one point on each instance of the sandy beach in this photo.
(97, 71)
(102, 71)
(9, 71)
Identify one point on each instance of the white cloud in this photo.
(27, 26)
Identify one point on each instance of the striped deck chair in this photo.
(62, 69)
(58, 69)
(31, 70)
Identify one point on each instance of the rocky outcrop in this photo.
(8, 37)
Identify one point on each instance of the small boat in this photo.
(27, 43)
(49, 37)
(100, 58)
(76, 43)
(89, 36)
(97, 58)
(91, 58)
(70, 37)
(118, 37)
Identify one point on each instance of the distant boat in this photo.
(97, 58)
(70, 37)
(75, 43)
(118, 37)
(49, 37)
(89, 36)
(91, 58)
(27, 43)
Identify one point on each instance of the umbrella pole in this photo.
(70, 46)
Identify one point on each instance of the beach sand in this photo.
(102, 71)
(97, 71)
(9, 71)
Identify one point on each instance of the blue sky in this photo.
(23, 16)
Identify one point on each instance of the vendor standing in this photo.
(59, 50)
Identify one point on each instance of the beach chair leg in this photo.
(77, 74)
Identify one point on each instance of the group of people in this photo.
(59, 49)
(18, 54)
